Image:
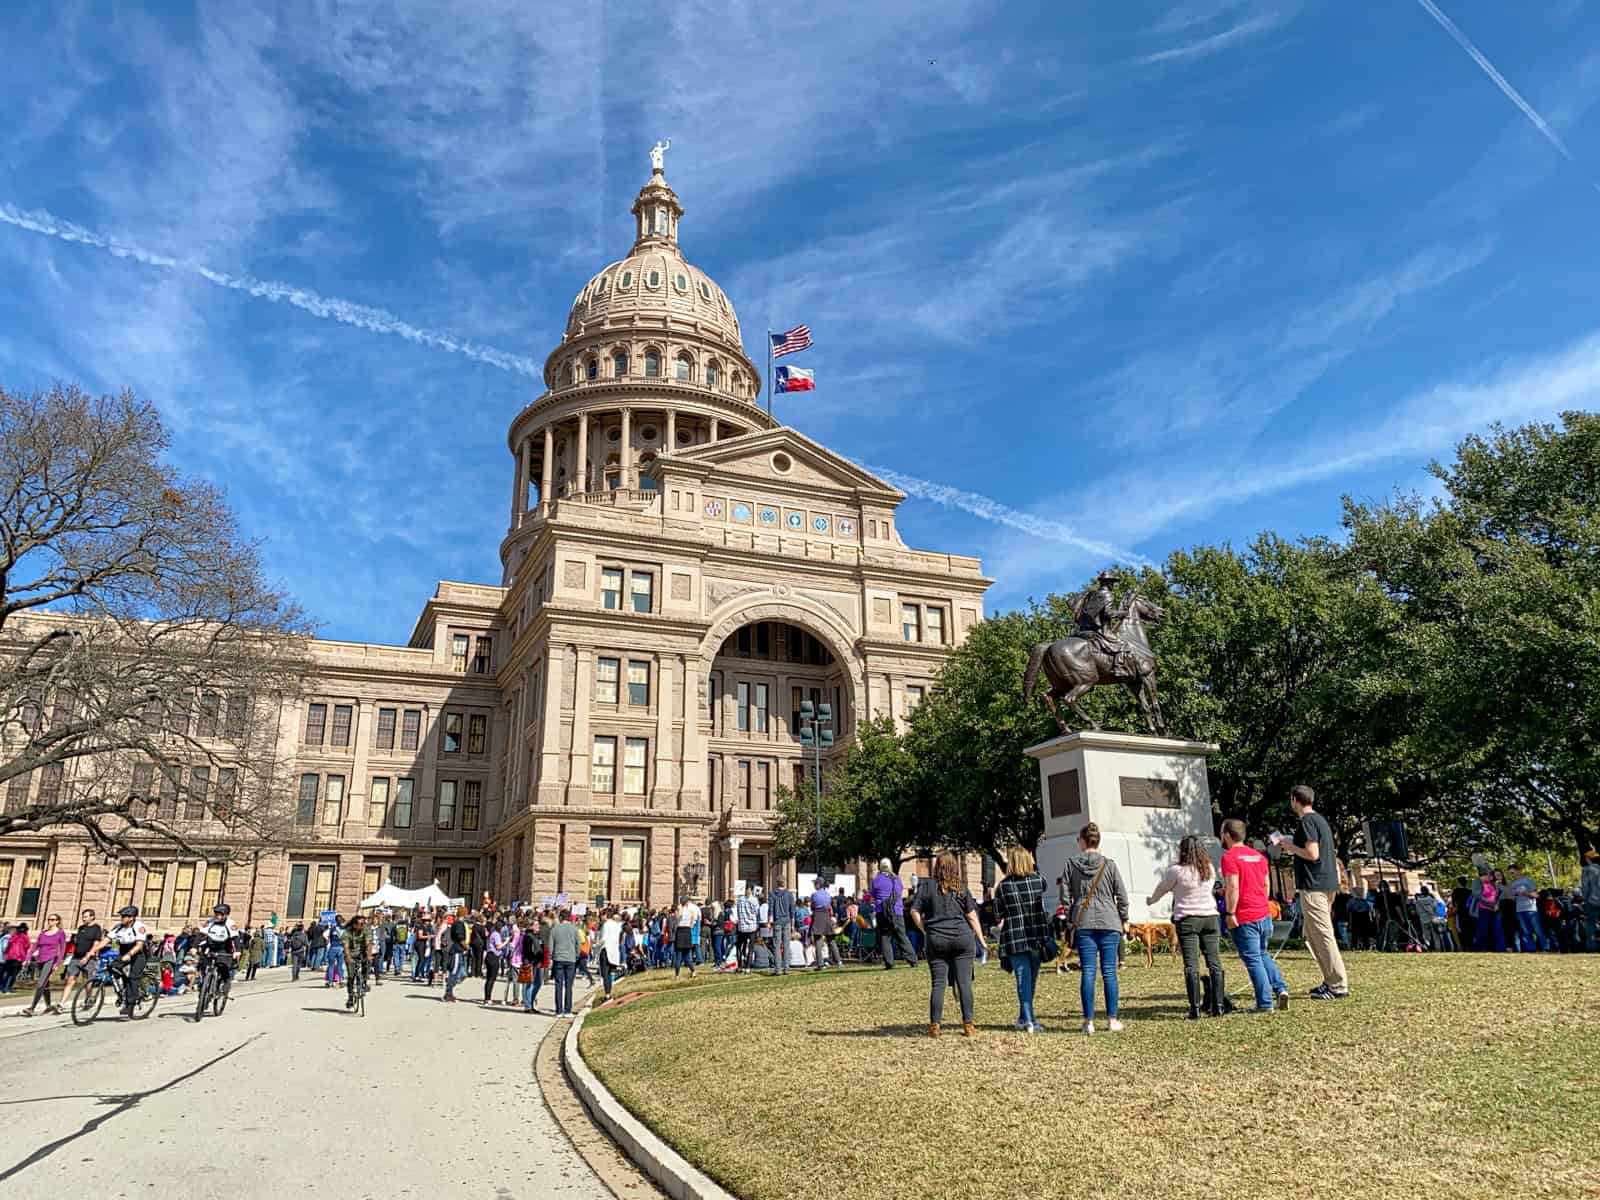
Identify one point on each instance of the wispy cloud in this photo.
(362, 316)
(1216, 42)
(1501, 82)
(992, 510)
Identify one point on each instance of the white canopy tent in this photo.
(432, 896)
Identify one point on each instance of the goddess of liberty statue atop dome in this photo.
(658, 154)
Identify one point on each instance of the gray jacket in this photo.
(1108, 907)
(780, 906)
(564, 943)
(1589, 884)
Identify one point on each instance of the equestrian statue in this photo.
(1107, 646)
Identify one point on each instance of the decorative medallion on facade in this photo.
(797, 520)
(820, 524)
(741, 513)
(769, 515)
(714, 508)
(847, 527)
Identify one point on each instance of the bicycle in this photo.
(89, 999)
(212, 989)
(359, 987)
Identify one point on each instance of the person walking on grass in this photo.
(948, 918)
(1098, 907)
(1249, 915)
(780, 910)
(888, 893)
(822, 925)
(1019, 905)
(1316, 879)
(1194, 914)
(684, 932)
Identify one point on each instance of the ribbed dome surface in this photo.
(654, 281)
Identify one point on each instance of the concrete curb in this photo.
(677, 1177)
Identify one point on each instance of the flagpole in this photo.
(769, 372)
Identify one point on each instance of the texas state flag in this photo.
(795, 379)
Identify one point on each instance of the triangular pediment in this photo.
(783, 457)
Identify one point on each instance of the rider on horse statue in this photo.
(1093, 613)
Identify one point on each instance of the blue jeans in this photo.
(564, 973)
(530, 991)
(1250, 939)
(1098, 948)
(397, 956)
(1528, 925)
(1025, 969)
(335, 970)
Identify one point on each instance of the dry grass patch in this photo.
(1445, 1076)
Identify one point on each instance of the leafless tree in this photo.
(144, 660)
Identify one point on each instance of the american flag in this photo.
(797, 338)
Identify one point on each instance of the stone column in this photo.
(581, 474)
(550, 729)
(663, 785)
(519, 491)
(672, 430)
(359, 794)
(713, 429)
(545, 473)
(626, 454)
(692, 768)
(730, 865)
(578, 787)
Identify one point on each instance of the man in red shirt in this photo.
(1244, 883)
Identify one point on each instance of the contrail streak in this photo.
(374, 320)
(377, 320)
(992, 510)
(1501, 82)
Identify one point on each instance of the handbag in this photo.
(1072, 929)
(525, 973)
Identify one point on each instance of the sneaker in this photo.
(1088, 1026)
(27, 1012)
(1114, 1025)
(1283, 1001)
(1322, 992)
(1022, 1027)
(1036, 1028)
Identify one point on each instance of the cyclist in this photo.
(80, 954)
(358, 954)
(130, 937)
(219, 943)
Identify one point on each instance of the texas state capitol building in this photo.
(680, 571)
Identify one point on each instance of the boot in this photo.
(933, 1029)
(1220, 1004)
(1208, 1001)
(968, 1029)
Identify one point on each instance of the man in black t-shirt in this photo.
(1316, 880)
(79, 960)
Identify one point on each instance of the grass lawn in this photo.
(1450, 1075)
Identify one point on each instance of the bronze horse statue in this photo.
(1074, 664)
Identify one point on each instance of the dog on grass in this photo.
(1152, 934)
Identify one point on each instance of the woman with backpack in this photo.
(1098, 904)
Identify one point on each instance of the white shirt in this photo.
(127, 935)
(689, 914)
(1527, 894)
(611, 941)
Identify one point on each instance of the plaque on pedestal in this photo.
(1145, 793)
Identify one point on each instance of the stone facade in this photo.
(679, 572)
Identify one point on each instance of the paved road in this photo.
(286, 1091)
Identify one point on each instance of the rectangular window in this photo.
(342, 714)
(466, 880)
(482, 655)
(641, 587)
(322, 898)
(6, 865)
(33, 887)
(471, 804)
(630, 872)
(403, 789)
(458, 653)
(316, 723)
(238, 717)
(764, 784)
(761, 708)
(911, 622)
(606, 673)
(599, 869)
(169, 793)
(795, 696)
(914, 695)
(378, 802)
(17, 791)
(211, 886)
(397, 876)
(478, 733)
(450, 734)
(386, 728)
(210, 714)
(764, 640)
(603, 767)
(226, 793)
(712, 696)
(797, 779)
(299, 877)
(713, 781)
(936, 625)
(155, 886)
(410, 729)
(183, 890)
(305, 811)
(742, 713)
(333, 800)
(611, 587)
(838, 713)
(744, 783)
(742, 640)
(194, 804)
(635, 754)
(638, 681)
(371, 880)
(121, 895)
(50, 782)
(446, 817)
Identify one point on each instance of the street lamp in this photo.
(816, 731)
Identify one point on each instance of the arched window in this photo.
(652, 364)
(711, 374)
(738, 383)
(619, 365)
(684, 369)
(592, 369)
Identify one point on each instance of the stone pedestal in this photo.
(1145, 794)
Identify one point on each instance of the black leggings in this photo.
(1198, 937)
(950, 960)
(491, 971)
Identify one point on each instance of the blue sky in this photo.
(1092, 282)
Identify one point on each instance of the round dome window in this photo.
(705, 289)
(653, 280)
(681, 282)
(648, 433)
(683, 437)
(601, 286)
(613, 435)
(626, 281)
(782, 463)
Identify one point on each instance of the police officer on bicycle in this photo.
(129, 936)
(219, 942)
